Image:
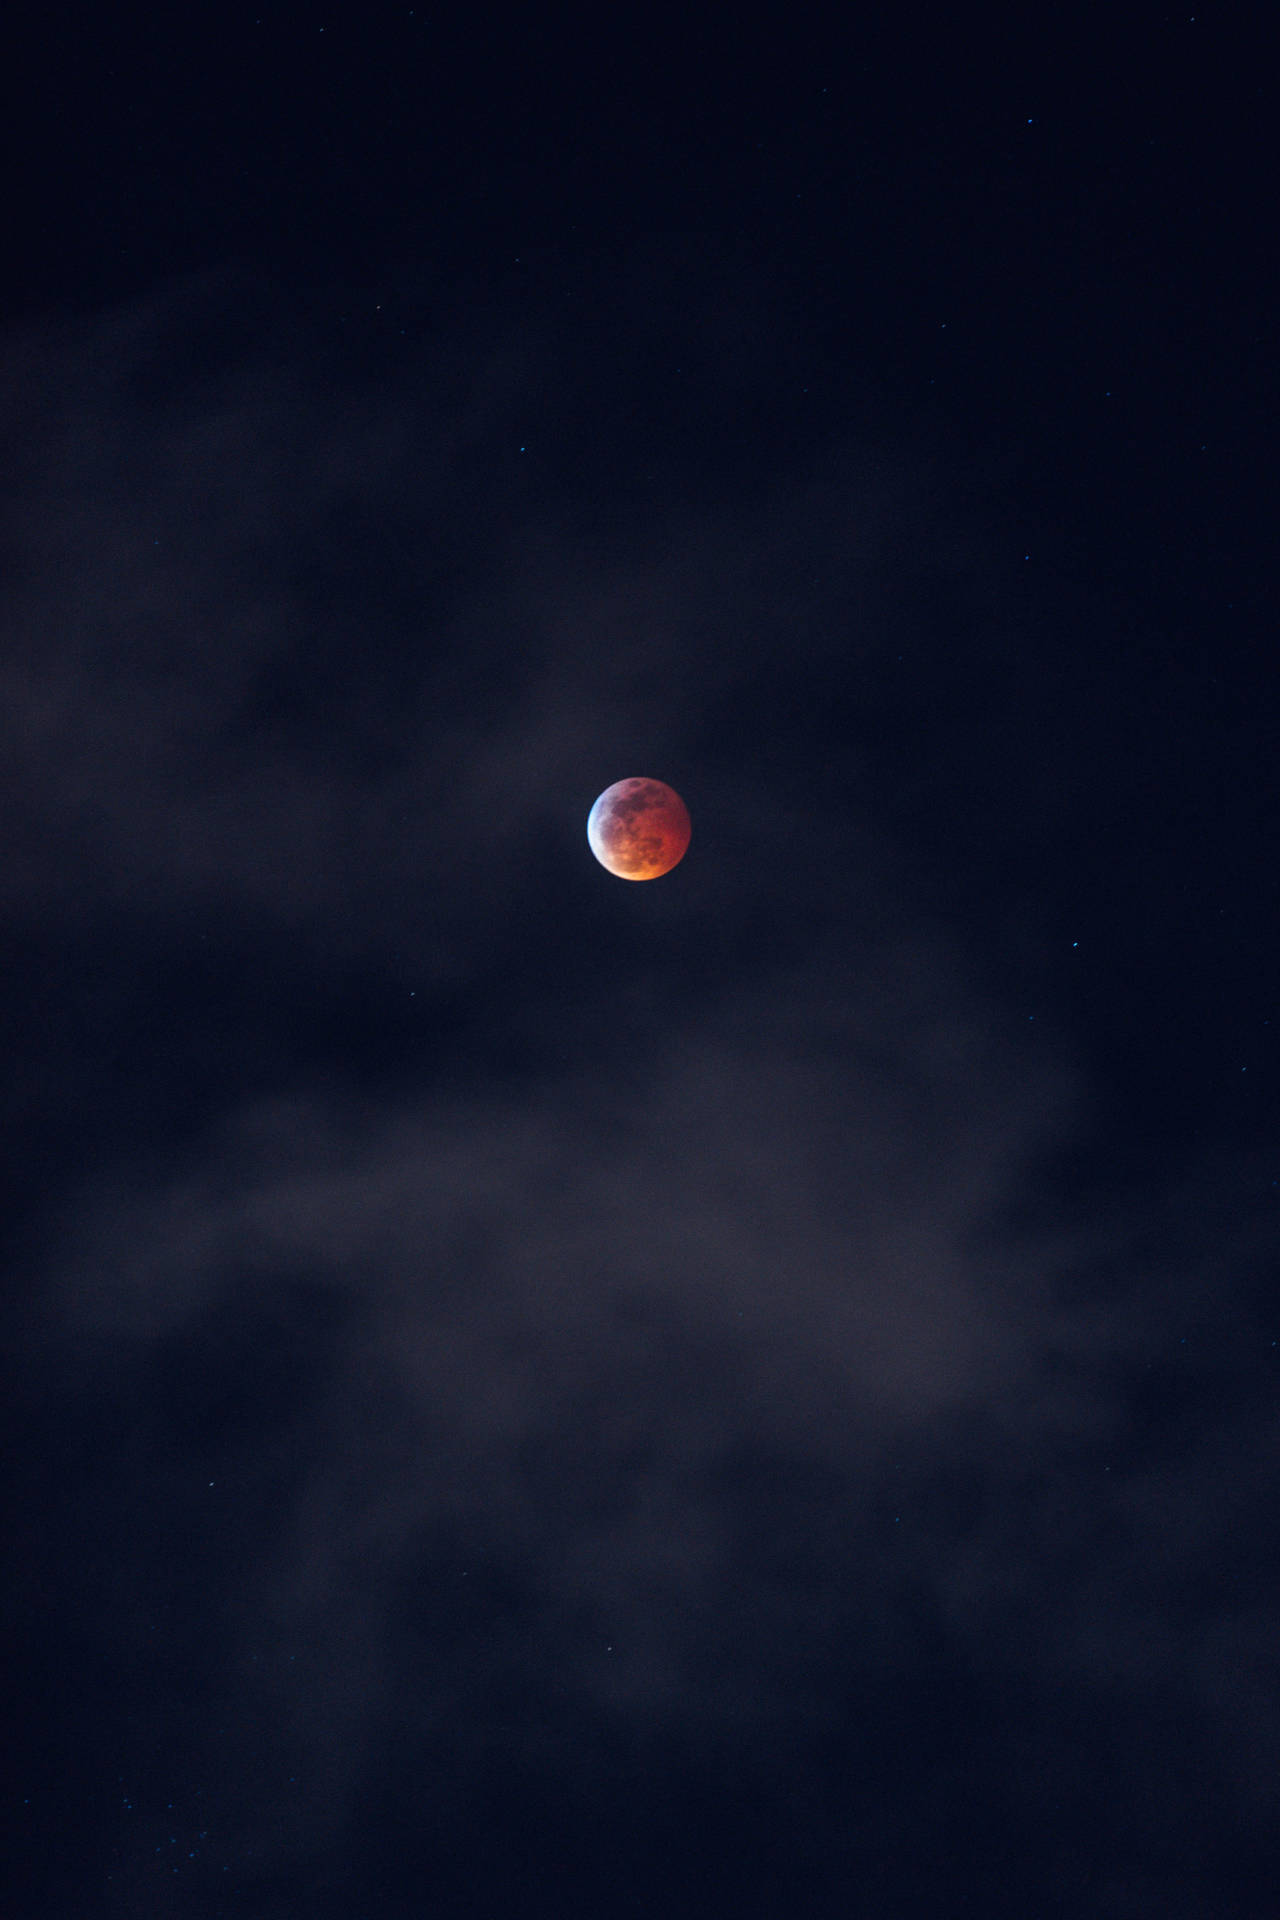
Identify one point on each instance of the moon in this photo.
(639, 829)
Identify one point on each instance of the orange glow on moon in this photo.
(639, 829)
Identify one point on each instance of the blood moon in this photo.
(639, 829)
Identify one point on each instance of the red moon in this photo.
(639, 829)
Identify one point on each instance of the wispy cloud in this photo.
(683, 1322)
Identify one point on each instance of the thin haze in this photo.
(662, 1301)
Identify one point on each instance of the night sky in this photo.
(752, 1394)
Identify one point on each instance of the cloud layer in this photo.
(566, 1317)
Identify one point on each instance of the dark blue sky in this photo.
(751, 1392)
